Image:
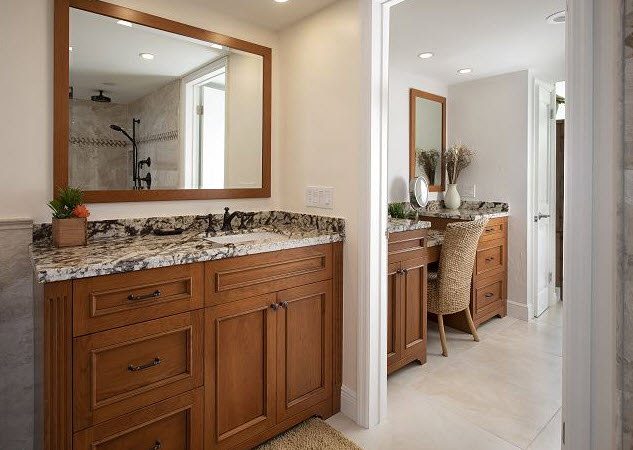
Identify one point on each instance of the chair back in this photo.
(457, 260)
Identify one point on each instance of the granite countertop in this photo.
(434, 238)
(469, 210)
(398, 225)
(120, 253)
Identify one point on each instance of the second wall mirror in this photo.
(427, 138)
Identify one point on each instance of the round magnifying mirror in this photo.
(419, 192)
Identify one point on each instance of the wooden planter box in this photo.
(70, 232)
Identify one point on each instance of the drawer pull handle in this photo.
(157, 445)
(133, 368)
(490, 230)
(489, 295)
(490, 259)
(284, 305)
(275, 306)
(154, 294)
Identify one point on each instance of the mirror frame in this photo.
(61, 113)
(413, 95)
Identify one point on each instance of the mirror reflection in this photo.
(428, 135)
(155, 110)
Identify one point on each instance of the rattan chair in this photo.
(449, 288)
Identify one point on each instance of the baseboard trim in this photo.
(15, 224)
(349, 404)
(520, 311)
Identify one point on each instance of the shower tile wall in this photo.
(158, 134)
(98, 154)
(625, 349)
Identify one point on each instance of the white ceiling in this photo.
(268, 13)
(106, 56)
(491, 36)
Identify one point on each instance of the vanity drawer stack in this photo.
(218, 355)
(490, 274)
(137, 344)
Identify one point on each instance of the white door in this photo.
(544, 196)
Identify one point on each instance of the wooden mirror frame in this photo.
(61, 103)
(413, 95)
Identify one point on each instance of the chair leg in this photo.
(440, 324)
(471, 325)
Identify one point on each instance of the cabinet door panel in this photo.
(394, 313)
(240, 370)
(304, 348)
(414, 308)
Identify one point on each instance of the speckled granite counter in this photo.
(470, 210)
(434, 238)
(127, 245)
(398, 225)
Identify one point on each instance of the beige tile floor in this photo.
(501, 393)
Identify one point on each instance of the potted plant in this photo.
(70, 226)
(458, 157)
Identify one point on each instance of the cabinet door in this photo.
(239, 370)
(304, 348)
(414, 308)
(394, 313)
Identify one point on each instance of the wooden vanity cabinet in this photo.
(406, 299)
(264, 354)
(490, 274)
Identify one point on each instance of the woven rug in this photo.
(313, 434)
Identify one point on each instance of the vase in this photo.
(452, 199)
(70, 232)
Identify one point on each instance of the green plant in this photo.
(64, 204)
(396, 210)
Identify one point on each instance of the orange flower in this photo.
(81, 211)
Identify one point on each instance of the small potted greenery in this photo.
(70, 227)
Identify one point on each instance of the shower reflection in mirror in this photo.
(154, 110)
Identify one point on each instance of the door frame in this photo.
(532, 245)
(589, 340)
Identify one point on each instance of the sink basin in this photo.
(245, 237)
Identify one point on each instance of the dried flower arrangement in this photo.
(458, 157)
(427, 160)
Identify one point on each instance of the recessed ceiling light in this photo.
(281, 1)
(465, 70)
(70, 49)
(146, 55)
(426, 55)
(125, 23)
(218, 46)
(556, 18)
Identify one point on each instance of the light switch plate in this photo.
(320, 197)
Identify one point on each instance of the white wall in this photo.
(492, 115)
(319, 69)
(26, 116)
(398, 159)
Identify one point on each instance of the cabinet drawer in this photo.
(407, 245)
(488, 293)
(112, 301)
(247, 276)
(496, 229)
(117, 371)
(173, 424)
(490, 258)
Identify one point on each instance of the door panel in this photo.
(240, 370)
(414, 307)
(394, 313)
(304, 348)
(544, 230)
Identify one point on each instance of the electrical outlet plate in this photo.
(320, 197)
(467, 190)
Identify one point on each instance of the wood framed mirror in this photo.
(427, 138)
(149, 109)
